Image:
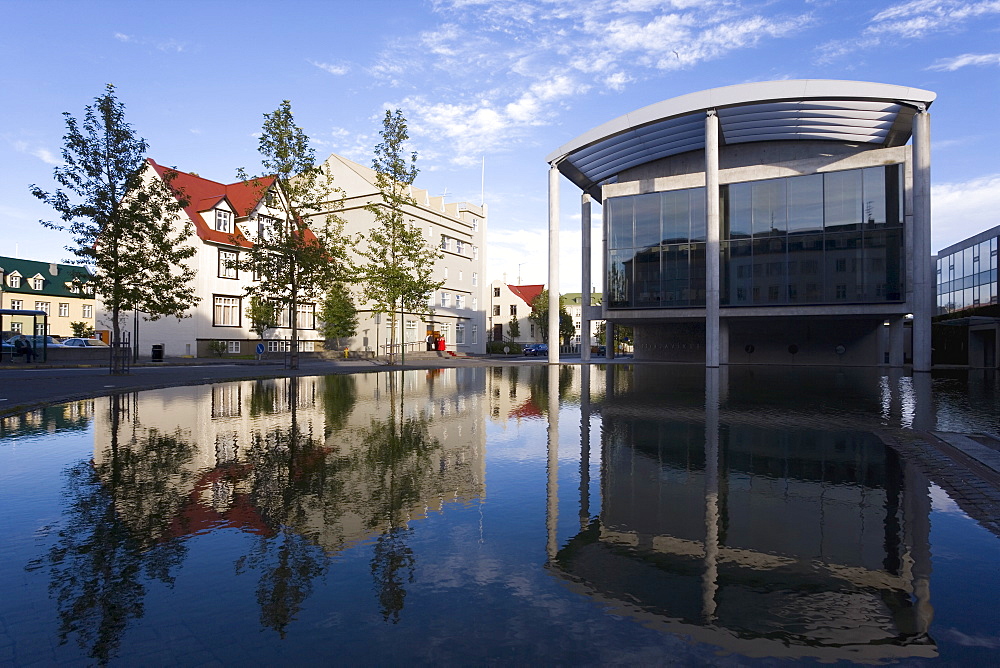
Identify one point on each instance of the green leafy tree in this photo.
(398, 261)
(300, 248)
(81, 329)
(514, 327)
(338, 315)
(262, 314)
(540, 316)
(124, 220)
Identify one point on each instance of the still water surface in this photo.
(594, 515)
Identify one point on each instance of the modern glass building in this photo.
(774, 222)
(967, 273)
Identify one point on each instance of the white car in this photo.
(84, 343)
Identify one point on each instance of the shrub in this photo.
(217, 348)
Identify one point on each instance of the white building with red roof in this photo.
(226, 218)
(513, 302)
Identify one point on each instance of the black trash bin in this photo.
(157, 354)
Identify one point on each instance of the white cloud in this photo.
(513, 65)
(169, 44)
(966, 59)
(335, 69)
(960, 210)
(43, 154)
(911, 20)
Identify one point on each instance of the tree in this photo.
(339, 317)
(125, 221)
(540, 316)
(514, 328)
(81, 329)
(299, 250)
(396, 274)
(262, 314)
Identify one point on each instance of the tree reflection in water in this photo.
(395, 456)
(118, 511)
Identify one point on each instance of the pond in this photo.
(590, 515)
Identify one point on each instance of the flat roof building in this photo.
(772, 222)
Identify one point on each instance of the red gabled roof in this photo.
(203, 195)
(527, 292)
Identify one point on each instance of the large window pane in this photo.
(737, 277)
(676, 216)
(805, 203)
(619, 280)
(737, 211)
(619, 212)
(696, 283)
(842, 200)
(697, 204)
(648, 285)
(873, 187)
(647, 220)
(769, 207)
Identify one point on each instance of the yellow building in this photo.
(61, 290)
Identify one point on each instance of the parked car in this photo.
(84, 343)
(50, 342)
(535, 349)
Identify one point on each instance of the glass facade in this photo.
(967, 278)
(818, 239)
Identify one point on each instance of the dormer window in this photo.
(14, 280)
(223, 220)
(37, 283)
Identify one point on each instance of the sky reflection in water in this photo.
(593, 515)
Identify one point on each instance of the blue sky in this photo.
(505, 82)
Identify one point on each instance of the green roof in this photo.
(56, 277)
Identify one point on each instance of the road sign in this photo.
(260, 348)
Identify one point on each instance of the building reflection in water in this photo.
(307, 467)
(766, 535)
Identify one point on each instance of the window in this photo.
(227, 312)
(232, 346)
(475, 224)
(15, 327)
(475, 334)
(445, 299)
(265, 227)
(42, 306)
(16, 304)
(277, 346)
(475, 304)
(460, 334)
(307, 316)
(37, 283)
(410, 331)
(223, 220)
(513, 309)
(227, 263)
(14, 280)
(461, 275)
(41, 329)
(74, 287)
(460, 247)
(475, 279)
(496, 292)
(88, 311)
(496, 309)
(459, 301)
(446, 273)
(63, 310)
(446, 331)
(444, 242)
(475, 252)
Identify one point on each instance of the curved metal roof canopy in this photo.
(811, 109)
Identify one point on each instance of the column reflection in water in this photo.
(552, 466)
(754, 529)
(585, 409)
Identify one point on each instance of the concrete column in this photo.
(553, 265)
(723, 341)
(712, 343)
(609, 339)
(585, 279)
(922, 271)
